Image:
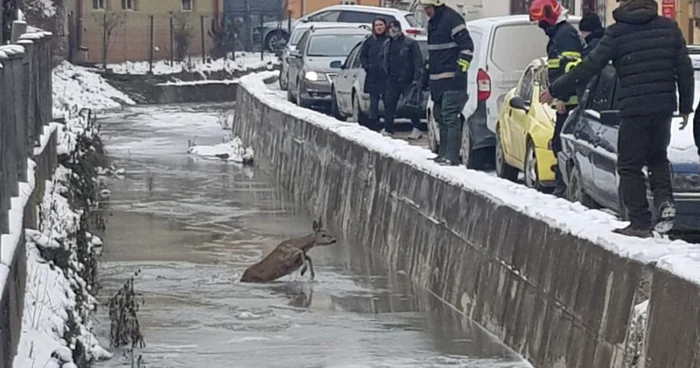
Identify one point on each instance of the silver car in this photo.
(315, 62)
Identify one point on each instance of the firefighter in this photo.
(563, 53)
(450, 51)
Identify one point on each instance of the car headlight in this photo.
(686, 182)
(312, 76)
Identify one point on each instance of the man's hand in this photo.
(546, 97)
(684, 123)
(561, 107)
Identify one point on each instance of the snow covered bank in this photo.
(77, 86)
(233, 150)
(244, 61)
(61, 259)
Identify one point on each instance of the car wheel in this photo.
(575, 191)
(471, 158)
(335, 110)
(273, 40)
(300, 100)
(357, 115)
(503, 170)
(432, 133)
(532, 177)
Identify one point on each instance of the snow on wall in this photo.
(679, 257)
(244, 61)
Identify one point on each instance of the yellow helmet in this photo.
(432, 2)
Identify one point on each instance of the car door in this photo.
(344, 82)
(604, 152)
(295, 63)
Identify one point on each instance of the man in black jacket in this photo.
(375, 77)
(403, 64)
(450, 50)
(650, 56)
(592, 31)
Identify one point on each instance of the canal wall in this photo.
(545, 276)
(28, 155)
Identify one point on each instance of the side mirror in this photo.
(518, 103)
(610, 117)
(337, 64)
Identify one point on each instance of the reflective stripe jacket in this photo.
(563, 53)
(448, 42)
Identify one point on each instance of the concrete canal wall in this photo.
(560, 300)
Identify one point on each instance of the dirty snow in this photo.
(77, 86)
(244, 61)
(596, 226)
(232, 150)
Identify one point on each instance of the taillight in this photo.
(483, 85)
(413, 31)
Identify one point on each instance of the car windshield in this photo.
(332, 45)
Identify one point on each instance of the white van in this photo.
(503, 47)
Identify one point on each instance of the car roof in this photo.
(345, 30)
(366, 8)
(489, 22)
(308, 25)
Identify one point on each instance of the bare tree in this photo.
(109, 21)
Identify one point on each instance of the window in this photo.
(602, 96)
(412, 21)
(98, 4)
(188, 5)
(362, 17)
(327, 16)
(332, 45)
(357, 62)
(525, 87)
(128, 4)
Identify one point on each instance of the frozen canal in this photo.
(191, 226)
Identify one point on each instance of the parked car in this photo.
(524, 131)
(503, 47)
(273, 32)
(294, 41)
(589, 154)
(349, 99)
(310, 70)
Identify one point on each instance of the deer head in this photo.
(322, 237)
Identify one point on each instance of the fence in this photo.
(118, 36)
(25, 108)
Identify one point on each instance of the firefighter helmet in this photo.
(548, 11)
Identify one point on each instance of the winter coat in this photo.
(373, 64)
(592, 40)
(650, 56)
(404, 66)
(448, 42)
(563, 53)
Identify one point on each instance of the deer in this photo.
(289, 256)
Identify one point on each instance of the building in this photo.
(132, 29)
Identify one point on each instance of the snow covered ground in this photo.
(244, 61)
(77, 86)
(596, 226)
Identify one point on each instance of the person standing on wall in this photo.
(375, 77)
(592, 31)
(563, 53)
(450, 50)
(403, 64)
(651, 59)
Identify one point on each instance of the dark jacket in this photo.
(406, 66)
(373, 64)
(592, 40)
(563, 53)
(650, 56)
(448, 41)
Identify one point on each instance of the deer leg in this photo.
(305, 267)
(311, 266)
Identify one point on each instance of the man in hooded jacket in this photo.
(650, 56)
(592, 31)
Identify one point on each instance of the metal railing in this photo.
(25, 108)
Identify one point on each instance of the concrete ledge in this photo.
(560, 300)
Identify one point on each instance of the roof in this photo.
(319, 25)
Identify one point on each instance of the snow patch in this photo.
(244, 61)
(77, 86)
(679, 257)
(232, 150)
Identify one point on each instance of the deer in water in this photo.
(288, 257)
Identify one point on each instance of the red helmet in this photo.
(545, 10)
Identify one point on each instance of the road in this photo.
(192, 226)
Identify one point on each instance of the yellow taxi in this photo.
(524, 131)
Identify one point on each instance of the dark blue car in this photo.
(589, 155)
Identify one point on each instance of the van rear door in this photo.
(511, 48)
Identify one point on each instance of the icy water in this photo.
(191, 226)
